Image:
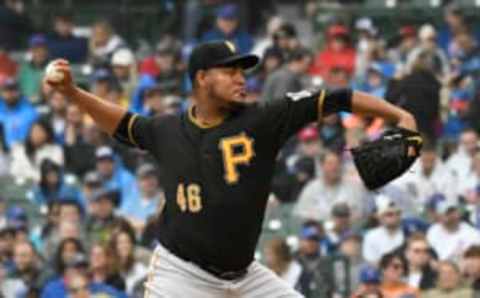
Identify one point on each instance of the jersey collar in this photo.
(194, 120)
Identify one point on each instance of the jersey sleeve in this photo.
(288, 115)
(136, 131)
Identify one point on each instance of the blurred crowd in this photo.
(95, 201)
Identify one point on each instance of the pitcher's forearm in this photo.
(105, 114)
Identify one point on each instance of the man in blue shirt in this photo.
(148, 202)
(227, 28)
(16, 113)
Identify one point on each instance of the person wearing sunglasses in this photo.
(419, 257)
(394, 268)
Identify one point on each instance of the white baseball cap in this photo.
(385, 204)
(123, 57)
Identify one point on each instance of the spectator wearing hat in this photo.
(466, 60)
(285, 40)
(149, 202)
(320, 194)
(289, 78)
(227, 27)
(428, 176)
(429, 50)
(52, 185)
(369, 283)
(388, 235)
(113, 174)
(449, 283)
(16, 113)
(394, 268)
(62, 43)
(308, 146)
(271, 61)
(31, 71)
(451, 236)
(419, 255)
(309, 251)
(338, 226)
(401, 46)
(266, 42)
(124, 69)
(349, 258)
(102, 222)
(337, 54)
(103, 43)
(102, 80)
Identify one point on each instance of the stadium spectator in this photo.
(124, 68)
(103, 43)
(467, 60)
(16, 113)
(337, 54)
(289, 78)
(455, 23)
(394, 268)
(15, 25)
(80, 285)
(421, 275)
(451, 237)
(320, 194)
(309, 252)
(122, 243)
(419, 93)
(429, 176)
(8, 67)
(429, 50)
(369, 283)
(102, 222)
(460, 114)
(460, 162)
(27, 273)
(406, 41)
(285, 40)
(227, 27)
(386, 237)
(102, 81)
(103, 267)
(55, 114)
(113, 174)
(67, 250)
(449, 283)
(31, 70)
(52, 185)
(150, 200)
(62, 42)
(78, 148)
(152, 65)
(471, 267)
(340, 225)
(279, 259)
(39, 146)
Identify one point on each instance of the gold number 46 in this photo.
(188, 198)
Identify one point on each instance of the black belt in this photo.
(222, 274)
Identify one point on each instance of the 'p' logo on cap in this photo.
(230, 45)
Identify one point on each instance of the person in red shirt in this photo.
(338, 52)
(8, 67)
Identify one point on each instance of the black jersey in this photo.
(217, 179)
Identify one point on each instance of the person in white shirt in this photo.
(319, 195)
(450, 237)
(419, 256)
(427, 177)
(460, 162)
(386, 237)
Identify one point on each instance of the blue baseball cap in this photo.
(228, 11)
(310, 233)
(369, 275)
(37, 40)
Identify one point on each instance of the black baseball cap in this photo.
(218, 54)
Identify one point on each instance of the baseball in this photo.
(53, 74)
